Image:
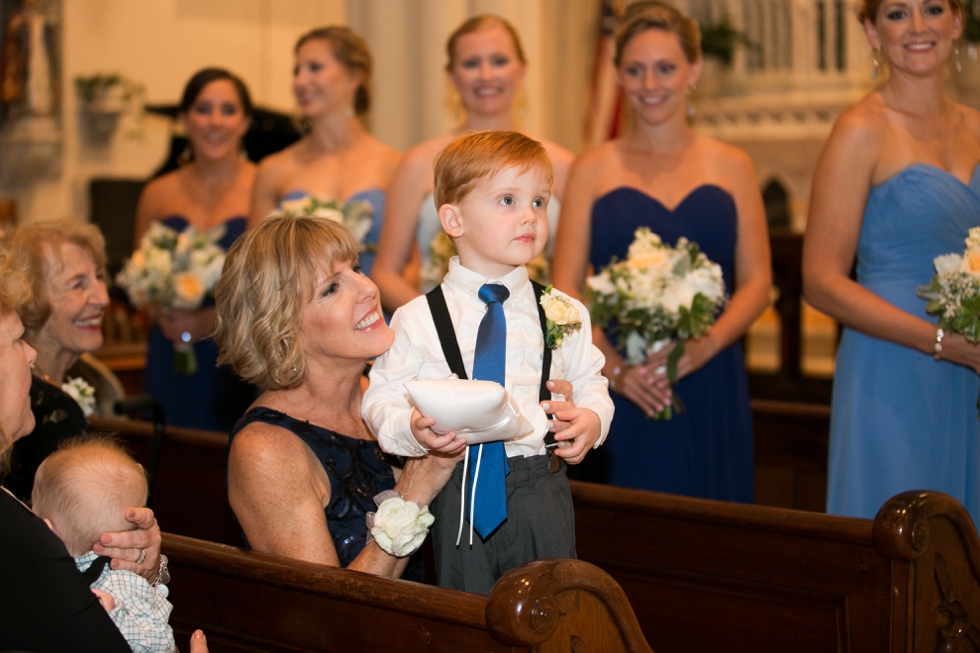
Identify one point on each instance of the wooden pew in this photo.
(246, 601)
(189, 494)
(711, 576)
(791, 446)
(706, 575)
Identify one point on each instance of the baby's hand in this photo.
(422, 430)
(580, 436)
(105, 599)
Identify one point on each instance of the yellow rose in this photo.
(561, 312)
(649, 260)
(971, 262)
(188, 291)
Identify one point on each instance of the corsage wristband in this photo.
(399, 527)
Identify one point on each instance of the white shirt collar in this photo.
(464, 280)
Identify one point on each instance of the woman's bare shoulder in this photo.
(266, 446)
(558, 154)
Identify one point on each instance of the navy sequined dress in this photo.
(357, 469)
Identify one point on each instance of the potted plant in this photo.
(104, 97)
(718, 43)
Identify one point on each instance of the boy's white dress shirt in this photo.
(417, 354)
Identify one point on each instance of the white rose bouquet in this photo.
(357, 215)
(441, 249)
(659, 293)
(953, 294)
(174, 270)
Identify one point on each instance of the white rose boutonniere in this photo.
(83, 394)
(399, 527)
(562, 318)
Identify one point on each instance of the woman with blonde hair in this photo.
(664, 176)
(337, 160)
(486, 65)
(896, 186)
(62, 320)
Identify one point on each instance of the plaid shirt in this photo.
(142, 610)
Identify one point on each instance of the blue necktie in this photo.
(489, 364)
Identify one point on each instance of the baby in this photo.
(83, 490)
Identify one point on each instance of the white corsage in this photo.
(561, 317)
(399, 527)
(83, 394)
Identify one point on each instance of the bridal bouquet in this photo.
(174, 270)
(658, 294)
(441, 249)
(954, 292)
(356, 215)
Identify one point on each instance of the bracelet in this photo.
(399, 527)
(163, 574)
(940, 334)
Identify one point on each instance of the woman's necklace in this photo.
(39, 373)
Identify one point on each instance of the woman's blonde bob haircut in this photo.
(651, 14)
(15, 291)
(41, 243)
(267, 281)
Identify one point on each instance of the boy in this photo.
(83, 490)
(486, 322)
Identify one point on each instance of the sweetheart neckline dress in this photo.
(707, 451)
(212, 398)
(901, 420)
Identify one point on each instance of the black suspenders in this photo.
(450, 346)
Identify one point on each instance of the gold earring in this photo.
(454, 103)
(874, 54)
(959, 66)
(520, 105)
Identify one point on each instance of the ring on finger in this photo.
(142, 557)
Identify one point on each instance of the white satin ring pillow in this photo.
(480, 411)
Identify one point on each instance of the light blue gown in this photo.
(901, 420)
(376, 198)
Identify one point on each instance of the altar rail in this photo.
(252, 602)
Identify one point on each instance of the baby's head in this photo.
(492, 189)
(84, 489)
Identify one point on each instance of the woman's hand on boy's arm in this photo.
(447, 444)
(581, 434)
(127, 548)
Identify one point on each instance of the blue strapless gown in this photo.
(901, 420)
(706, 451)
(212, 398)
(376, 198)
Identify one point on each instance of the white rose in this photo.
(400, 526)
(602, 284)
(330, 214)
(292, 207)
(636, 349)
(159, 262)
(947, 263)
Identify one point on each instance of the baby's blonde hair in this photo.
(85, 488)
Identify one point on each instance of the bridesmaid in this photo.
(212, 190)
(338, 159)
(486, 66)
(896, 186)
(678, 183)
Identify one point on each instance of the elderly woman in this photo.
(62, 320)
(45, 603)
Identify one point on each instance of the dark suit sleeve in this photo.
(45, 604)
